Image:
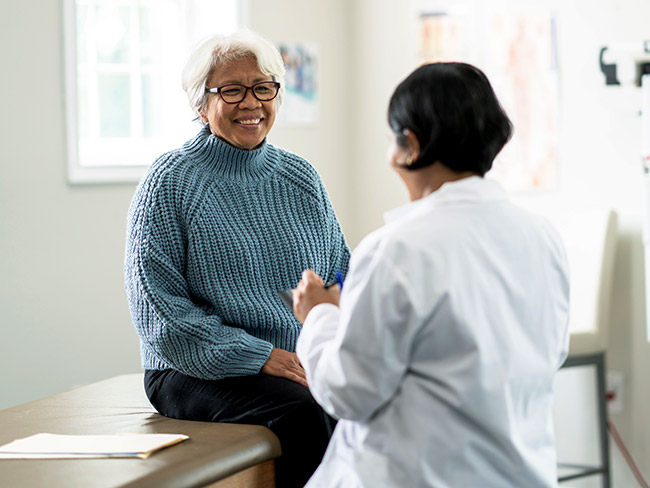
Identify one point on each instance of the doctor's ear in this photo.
(409, 141)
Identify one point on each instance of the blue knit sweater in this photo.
(213, 233)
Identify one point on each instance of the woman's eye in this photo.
(231, 91)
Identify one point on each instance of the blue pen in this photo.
(339, 279)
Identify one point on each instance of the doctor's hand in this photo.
(285, 364)
(311, 292)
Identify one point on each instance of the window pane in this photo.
(128, 56)
(82, 34)
(150, 119)
(112, 34)
(114, 106)
(148, 44)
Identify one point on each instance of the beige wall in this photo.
(64, 315)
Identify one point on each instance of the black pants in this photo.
(285, 407)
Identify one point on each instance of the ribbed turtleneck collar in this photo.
(229, 161)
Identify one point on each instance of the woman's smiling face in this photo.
(244, 124)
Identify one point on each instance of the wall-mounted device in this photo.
(625, 63)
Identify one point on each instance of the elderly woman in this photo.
(215, 229)
(453, 319)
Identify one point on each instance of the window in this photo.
(124, 101)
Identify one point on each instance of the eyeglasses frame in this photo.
(246, 88)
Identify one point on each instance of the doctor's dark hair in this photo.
(455, 115)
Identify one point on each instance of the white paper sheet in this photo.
(57, 446)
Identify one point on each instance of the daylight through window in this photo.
(124, 59)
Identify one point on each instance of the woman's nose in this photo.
(249, 99)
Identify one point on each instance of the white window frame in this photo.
(105, 166)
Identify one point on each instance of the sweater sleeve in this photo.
(335, 254)
(176, 330)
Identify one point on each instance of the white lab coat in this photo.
(440, 361)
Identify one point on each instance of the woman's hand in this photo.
(311, 292)
(285, 364)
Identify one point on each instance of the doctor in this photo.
(453, 320)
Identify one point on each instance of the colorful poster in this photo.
(300, 106)
(518, 54)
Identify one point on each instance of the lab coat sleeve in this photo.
(355, 356)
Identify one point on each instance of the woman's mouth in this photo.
(249, 121)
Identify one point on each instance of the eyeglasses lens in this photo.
(262, 91)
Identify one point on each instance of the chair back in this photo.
(590, 239)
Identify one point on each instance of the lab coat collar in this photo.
(471, 190)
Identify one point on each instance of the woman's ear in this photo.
(412, 145)
(202, 115)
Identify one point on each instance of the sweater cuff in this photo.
(249, 357)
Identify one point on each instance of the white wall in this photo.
(64, 314)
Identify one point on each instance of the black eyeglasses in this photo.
(263, 91)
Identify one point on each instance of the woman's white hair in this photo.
(218, 50)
